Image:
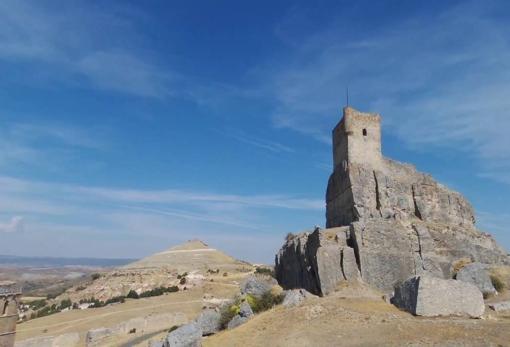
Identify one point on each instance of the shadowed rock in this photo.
(476, 274)
(430, 296)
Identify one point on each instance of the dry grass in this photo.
(459, 264)
(346, 320)
(188, 302)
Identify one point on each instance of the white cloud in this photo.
(15, 225)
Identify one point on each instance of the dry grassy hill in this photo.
(191, 256)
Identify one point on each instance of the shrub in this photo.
(159, 291)
(225, 274)
(264, 271)
(132, 294)
(265, 302)
(228, 312)
(37, 304)
(95, 276)
(498, 284)
(183, 280)
(181, 276)
(132, 331)
(65, 304)
(80, 288)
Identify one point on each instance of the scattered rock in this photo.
(245, 310)
(257, 285)
(236, 321)
(476, 274)
(295, 297)
(430, 296)
(189, 335)
(209, 321)
(500, 306)
(156, 344)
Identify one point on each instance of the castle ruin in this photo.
(10, 294)
(385, 220)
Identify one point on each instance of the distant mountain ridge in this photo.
(17, 261)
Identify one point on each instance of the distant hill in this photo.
(192, 255)
(21, 261)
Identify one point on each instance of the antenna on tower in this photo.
(347, 96)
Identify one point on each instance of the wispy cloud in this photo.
(43, 144)
(440, 80)
(69, 212)
(258, 142)
(14, 225)
(80, 44)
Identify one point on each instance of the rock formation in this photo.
(429, 296)
(386, 221)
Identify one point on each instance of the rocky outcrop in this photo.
(429, 296)
(386, 221)
(476, 274)
(317, 261)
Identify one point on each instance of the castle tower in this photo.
(356, 143)
(357, 139)
(9, 298)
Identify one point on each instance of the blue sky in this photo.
(129, 127)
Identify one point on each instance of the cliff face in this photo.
(397, 222)
(392, 191)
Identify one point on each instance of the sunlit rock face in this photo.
(394, 221)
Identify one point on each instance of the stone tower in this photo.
(357, 139)
(9, 298)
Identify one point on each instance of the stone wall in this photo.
(9, 298)
(147, 324)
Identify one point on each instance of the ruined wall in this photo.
(9, 298)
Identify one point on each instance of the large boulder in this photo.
(475, 273)
(209, 321)
(430, 296)
(236, 321)
(295, 297)
(258, 285)
(189, 335)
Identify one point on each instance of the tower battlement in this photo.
(357, 138)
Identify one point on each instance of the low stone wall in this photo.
(65, 340)
(147, 324)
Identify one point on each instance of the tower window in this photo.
(364, 132)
